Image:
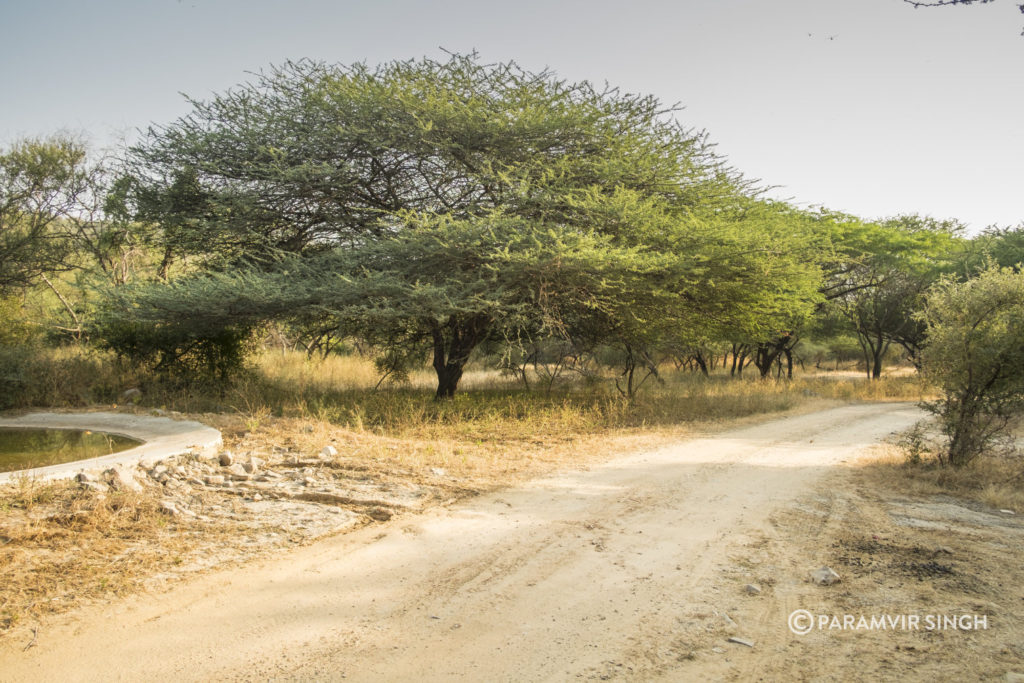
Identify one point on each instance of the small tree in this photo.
(975, 355)
(41, 185)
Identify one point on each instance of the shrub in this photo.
(975, 356)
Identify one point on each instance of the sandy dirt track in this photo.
(585, 575)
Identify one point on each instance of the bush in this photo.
(179, 352)
(62, 377)
(975, 355)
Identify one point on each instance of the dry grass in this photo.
(495, 428)
(993, 480)
(61, 544)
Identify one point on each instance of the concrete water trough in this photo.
(162, 437)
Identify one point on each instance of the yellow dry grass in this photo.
(61, 544)
(993, 480)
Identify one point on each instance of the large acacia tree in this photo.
(435, 205)
(311, 156)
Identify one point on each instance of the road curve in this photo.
(566, 577)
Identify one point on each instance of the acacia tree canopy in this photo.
(975, 355)
(311, 155)
(42, 183)
(430, 206)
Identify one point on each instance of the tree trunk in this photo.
(876, 369)
(453, 344)
(770, 354)
(701, 363)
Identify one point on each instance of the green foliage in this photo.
(310, 155)
(15, 330)
(34, 376)
(975, 355)
(430, 207)
(41, 182)
(1003, 247)
(880, 278)
(175, 349)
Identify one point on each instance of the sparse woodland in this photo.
(568, 241)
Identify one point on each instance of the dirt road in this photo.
(605, 574)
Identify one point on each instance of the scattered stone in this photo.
(122, 478)
(237, 470)
(253, 466)
(438, 471)
(943, 550)
(825, 576)
(741, 641)
(718, 650)
(308, 481)
(131, 395)
(1008, 512)
(257, 496)
(328, 451)
(308, 429)
(214, 479)
(169, 508)
(226, 458)
(752, 589)
(195, 481)
(379, 514)
(728, 620)
(1013, 677)
(176, 485)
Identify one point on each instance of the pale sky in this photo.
(864, 106)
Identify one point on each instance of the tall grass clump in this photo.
(63, 377)
(345, 391)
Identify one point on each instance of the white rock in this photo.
(131, 395)
(1008, 512)
(226, 458)
(752, 589)
(253, 466)
(741, 641)
(328, 451)
(237, 470)
(169, 508)
(122, 478)
(438, 471)
(214, 479)
(825, 576)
